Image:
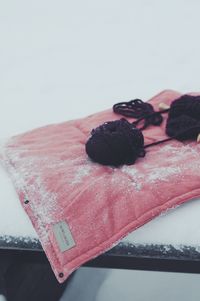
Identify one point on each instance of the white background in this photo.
(64, 59)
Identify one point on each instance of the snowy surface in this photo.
(64, 60)
(110, 285)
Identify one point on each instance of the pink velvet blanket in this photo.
(79, 208)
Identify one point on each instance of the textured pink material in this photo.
(100, 204)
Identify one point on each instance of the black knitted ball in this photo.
(184, 118)
(185, 105)
(115, 143)
(183, 127)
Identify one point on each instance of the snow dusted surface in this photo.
(64, 60)
(177, 227)
(14, 220)
(110, 285)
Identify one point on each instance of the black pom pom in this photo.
(185, 105)
(184, 118)
(115, 143)
(183, 128)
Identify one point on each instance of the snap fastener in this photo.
(61, 275)
(26, 201)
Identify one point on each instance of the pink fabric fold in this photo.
(79, 208)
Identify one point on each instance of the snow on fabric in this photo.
(57, 182)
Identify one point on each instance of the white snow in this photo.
(179, 226)
(82, 171)
(64, 60)
(90, 284)
(163, 173)
(13, 219)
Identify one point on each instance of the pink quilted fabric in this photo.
(56, 182)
